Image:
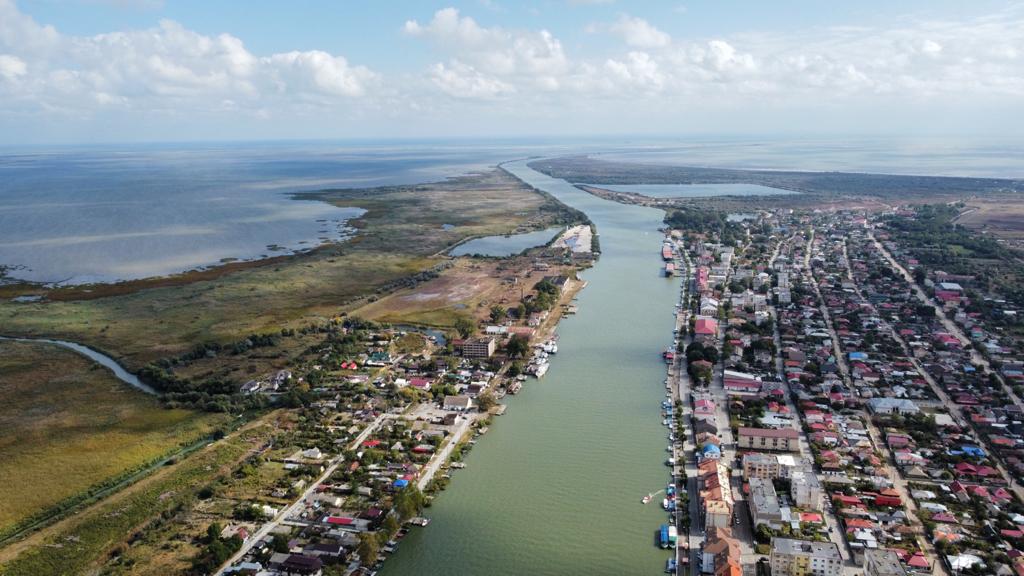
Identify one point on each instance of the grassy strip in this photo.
(75, 546)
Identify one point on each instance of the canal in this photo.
(555, 486)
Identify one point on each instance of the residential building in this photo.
(717, 514)
(768, 466)
(803, 558)
(479, 347)
(719, 550)
(458, 403)
(781, 439)
(882, 562)
(901, 406)
(805, 488)
(763, 502)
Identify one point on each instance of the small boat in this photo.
(646, 499)
(419, 521)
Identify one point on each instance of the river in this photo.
(106, 361)
(555, 486)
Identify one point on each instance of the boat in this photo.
(670, 270)
(664, 536)
(419, 521)
(540, 369)
(515, 387)
(646, 499)
(670, 566)
(458, 465)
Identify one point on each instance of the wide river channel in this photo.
(555, 485)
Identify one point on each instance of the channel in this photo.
(555, 487)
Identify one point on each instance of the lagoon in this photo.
(501, 246)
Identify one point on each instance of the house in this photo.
(458, 403)
(300, 565)
(901, 406)
(705, 328)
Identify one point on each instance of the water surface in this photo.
(555, 486)
(694, 190)
(106, 361)
(501, 246)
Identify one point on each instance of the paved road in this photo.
(295, 506)
(950, 325)
(441, 457)
(939, 391)
(899, 483)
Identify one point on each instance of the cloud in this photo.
(640, 33)
(489, 61)
(162, 69)
(175, 78)
(464, 81)
(11, 67)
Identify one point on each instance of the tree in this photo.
(498, 313)
(515, 369)
(369, 548)
(464, 326)
(279, 543)
(391, 525)
(517, 346)
(486, 401)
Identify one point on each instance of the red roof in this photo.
(706, 327)
(340, 520)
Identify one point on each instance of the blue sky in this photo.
(129, 70)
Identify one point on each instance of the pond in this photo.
(501, 246)
(694, 190)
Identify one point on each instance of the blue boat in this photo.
(670, 566)
(664, 537)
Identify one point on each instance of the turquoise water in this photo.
(505, 245)
(555, 486)
(694, 190)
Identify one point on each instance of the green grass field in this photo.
(81, 543)
(69, 425)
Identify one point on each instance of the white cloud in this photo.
(177, 75)
(165, 68)
(464, 81)
(640, 33)
(11, 67)
(533, 59)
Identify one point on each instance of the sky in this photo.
(100, 71)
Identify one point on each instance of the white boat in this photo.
(541, 369)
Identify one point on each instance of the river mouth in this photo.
(555, 486)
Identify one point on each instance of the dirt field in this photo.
(470, 288)
(1001, 216)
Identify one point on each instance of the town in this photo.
(386, 417)
(836, 407)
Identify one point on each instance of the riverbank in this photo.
(564, 469)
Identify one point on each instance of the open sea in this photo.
(75, 215)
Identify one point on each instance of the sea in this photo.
(75, 215)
